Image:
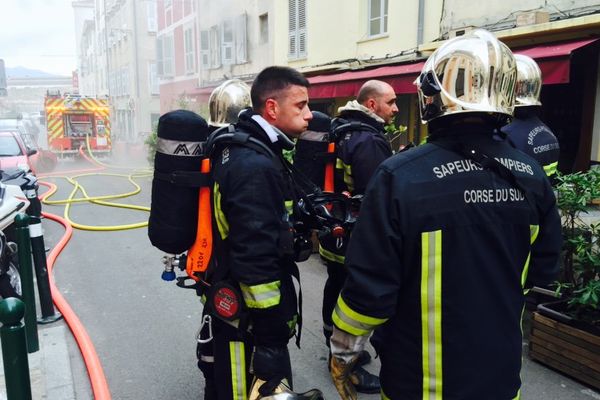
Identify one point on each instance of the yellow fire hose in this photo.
(100, 200)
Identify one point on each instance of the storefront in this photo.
(569, 71)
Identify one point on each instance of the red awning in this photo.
(553, 59)
(346, 84)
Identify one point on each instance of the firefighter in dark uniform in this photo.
(527, 132)
(224, 104)
(253, 201)
(360, 150)
(450, 235)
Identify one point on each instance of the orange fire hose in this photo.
(92, 362)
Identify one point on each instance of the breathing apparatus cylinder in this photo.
(174, 210)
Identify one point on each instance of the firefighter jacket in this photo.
(530, 135)
(439, 260)
(359, 153)
(252, 213)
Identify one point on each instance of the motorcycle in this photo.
(13, 201)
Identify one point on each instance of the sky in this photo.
(38, 34)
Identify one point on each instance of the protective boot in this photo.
(364, 381)
(280, 392)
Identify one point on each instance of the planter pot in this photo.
(559, 341)
(537, 296)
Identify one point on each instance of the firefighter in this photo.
(450, 235)
(253, 201)
(527, 132)
(224, 104)
(360, 149)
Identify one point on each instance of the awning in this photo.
(346, 84)
(553, 59)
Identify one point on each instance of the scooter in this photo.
(13, 201)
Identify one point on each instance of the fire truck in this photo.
(71, 118)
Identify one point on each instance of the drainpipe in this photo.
(136, 119)
(421, 22)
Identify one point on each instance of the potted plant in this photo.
(566, 334)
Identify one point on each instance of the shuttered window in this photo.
(297, 29)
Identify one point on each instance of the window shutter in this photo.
(292, 29)
(240, 39)
(301, 28)
(159, 56)
(227, 39)
(205, 49)
(152, 17)
(215, 47)
(168, 56)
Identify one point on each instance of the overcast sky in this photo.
(38, 34)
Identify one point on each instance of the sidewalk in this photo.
(50, 367)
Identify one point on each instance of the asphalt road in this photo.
(144, 329)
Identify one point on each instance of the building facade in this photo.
(117, 58)
(563, 38)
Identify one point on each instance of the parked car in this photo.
(14, 152)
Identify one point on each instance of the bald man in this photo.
(361, 147)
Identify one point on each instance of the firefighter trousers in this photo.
(336, 275)
(225, 362)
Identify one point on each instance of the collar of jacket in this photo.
(354, 105)
(357, 115)
(461, 130)
(523, 112)
(249, 122)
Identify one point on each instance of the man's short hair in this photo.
(271, 81)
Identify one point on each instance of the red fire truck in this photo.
(71, 118)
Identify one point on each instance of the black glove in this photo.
(271, 364)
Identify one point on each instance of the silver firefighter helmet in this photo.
(226, 101)
(471, 73)
(529, 82)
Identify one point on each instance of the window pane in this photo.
(384, 24)
(375, 8)
(375, 27)
(227, 31)
(204, 40)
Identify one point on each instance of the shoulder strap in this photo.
(349, 126)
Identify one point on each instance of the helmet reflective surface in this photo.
(226, 102)
(529, 82)
(470, 73)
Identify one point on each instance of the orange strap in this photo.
(200, 253)
(328, 184)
